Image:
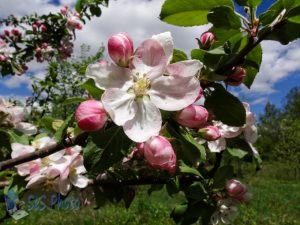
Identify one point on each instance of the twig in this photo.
(80, 139)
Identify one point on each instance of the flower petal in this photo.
(79, 180)
(173, 93)
(152, 72)
(120, 105)
(250, 133)
(26, 128)
(57, 155)
(145, 124)
(109, 76)
(166, 40)
(64, 186)
(151, 52)
(218, 145)
(187, 68)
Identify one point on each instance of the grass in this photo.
(275, 202)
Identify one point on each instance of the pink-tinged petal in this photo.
(26, 128)
(141, 69)
(120, 105)
(19, 149)
(64, 186)
(57, 155)
(78, 165)
(187, 68)
(79, 181)
(109, 76)
(250, 133)
(16, 113)
(166, 40)
(145, 124)
(151, 53)
(218, 145)
(172, 93)
(36, 180)
(72, 150)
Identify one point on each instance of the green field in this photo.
(275, 202)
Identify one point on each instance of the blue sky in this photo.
(139, 18)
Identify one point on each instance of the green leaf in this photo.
(178, 212)
(223, 35)
(173, 186)
(79, 5)
(196, 191)
(189, 138)
(252, 65)
(226, 107)
(18, 137)
(91, 88)
(189, 12)
(91, 155)
(223, 174)
(190, 152)
(187, 169)
(155, 187)
(95, 10)
(113, 145)
(237, 152)
(224, 17)
(60, 133)
(74, 100)
(178, 56)
(294, 15)
(252, 3)
(46, 122)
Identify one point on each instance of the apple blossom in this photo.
(120, 49)
(206, 40)
(71, 173)
(193, 116)
(237, 191)
(90, 115)
(226, 213)
(159, 154)
(133, 96)
(236, 78)
(210, 133)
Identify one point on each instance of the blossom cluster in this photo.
(11, 116)
(56, 172)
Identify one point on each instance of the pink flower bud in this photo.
(3, 58)
(6, 32)
(74, 23)
(120, 49)
(206, 40)
(15, 32)
(193, 116)
(159, 154)
(38, 23)
(237, 77)
(45, 45)
(43, 27)
(210, 133)
(238, 191)
(64, 10)
(90, 115)
(34, 27)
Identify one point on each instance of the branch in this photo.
(252, 43)
(143, 181)
(79, 140)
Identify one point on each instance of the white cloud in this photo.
(279, 62)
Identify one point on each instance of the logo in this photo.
(13, 205)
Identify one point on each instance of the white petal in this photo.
(64, 186)
(145, 124)
(172, 93)
(79, 180)
(166, 40)
(250, 133)
(218, 145)
(19, 149)
(36, 180)
(26, 128)
(119, 104)
(200, 140)
(187, 68)
(152, 72)
(109, 76)
(57, 155)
